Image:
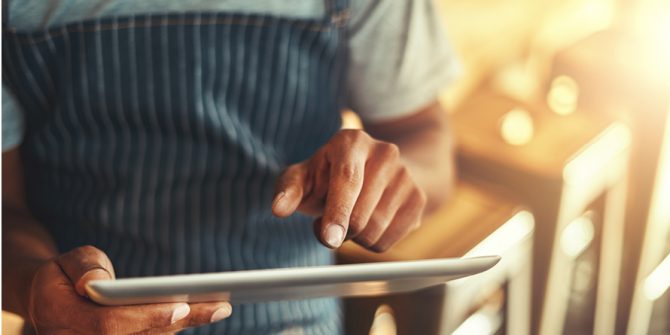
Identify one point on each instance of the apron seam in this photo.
(29, 38)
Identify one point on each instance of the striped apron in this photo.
(158, 138)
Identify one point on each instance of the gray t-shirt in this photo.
(400, 57)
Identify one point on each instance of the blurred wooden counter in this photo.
(472, 223)
(625, 75)
(570, 170)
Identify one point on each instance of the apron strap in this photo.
(5, 14)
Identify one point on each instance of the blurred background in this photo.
(563, 144)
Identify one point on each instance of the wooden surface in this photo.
(556, 138)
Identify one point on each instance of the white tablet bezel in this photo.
(367, 279)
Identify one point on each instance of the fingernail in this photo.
(221, 313)
(334, 235)
(278, 198)
(180, 312)
(80, 286)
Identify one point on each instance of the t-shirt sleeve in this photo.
(12, 121)
(400, 58)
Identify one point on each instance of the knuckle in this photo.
(340, 212)
(404, 174)
(370, 235)
(379, 248)
(350, 172)
(356, 224)
(90, 257)
(415, 225)
(368, 239)
(365, 240)
(414, 222)
(341, 135)
(379, 221)
(409, 226)
(291, 175)
(351, 136)
(356, 134)
(389, 151)
(421, 198)
(88, 249)
(360, 135)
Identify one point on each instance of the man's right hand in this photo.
(58, 302)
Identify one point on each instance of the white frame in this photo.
(288, 283)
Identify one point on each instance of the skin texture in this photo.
(373, 191)
(372, 187)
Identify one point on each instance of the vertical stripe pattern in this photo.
(158, 138)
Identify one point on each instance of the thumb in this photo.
(291, 186)
(84, 264)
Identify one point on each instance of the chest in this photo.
(30, 15)
(234, 80)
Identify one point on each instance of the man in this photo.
(162, 137)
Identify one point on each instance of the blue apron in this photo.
(158, 138)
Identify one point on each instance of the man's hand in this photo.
(358, 188)
(58, 303)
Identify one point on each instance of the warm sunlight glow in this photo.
(661, 199)
(658, 281)
(597, 154)
(477, 323)
(577, 236)
(652, 25)
(506, 237)
(563, 95)
(516, 127)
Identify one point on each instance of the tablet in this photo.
(288, 283)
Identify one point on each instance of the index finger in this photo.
(344, 187)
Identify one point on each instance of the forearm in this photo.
(25, 246)
(433, 170)
(426, 147)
